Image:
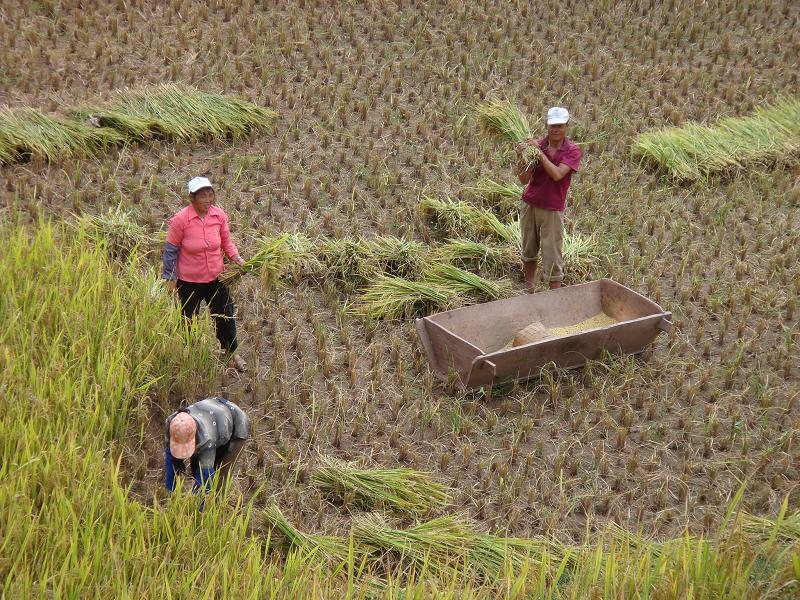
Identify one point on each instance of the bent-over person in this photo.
(210, 433)
(544, 199)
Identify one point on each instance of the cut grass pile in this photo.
(28, 133)
(695, 152)
(476, 255)
(168, 111)
(504, 198)
(442, 287)
(403, 491)
(178, 112)
(328, 548)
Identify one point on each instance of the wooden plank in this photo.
(569, 351)
(422, 332)
(451, 350)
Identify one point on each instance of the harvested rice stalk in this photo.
(493, 556)
(694, 151)
(458, 218)
(346, 259)
(330, 548)
(179, 112)
(27, 132)
(404, 491)
(465, 283)
(395, 256)
(436, 544)
(506, 195)
(476, 254)
(119, 231)
(492, 190)
(583, 255)
(302, 250)
(271, 261)
(395, 297)
(506, 122)
(784, 527)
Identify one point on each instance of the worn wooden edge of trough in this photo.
(446, 350)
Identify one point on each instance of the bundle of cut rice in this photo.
(27, 132)
(178, 112)
(505, 121)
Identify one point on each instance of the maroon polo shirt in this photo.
(542, 190)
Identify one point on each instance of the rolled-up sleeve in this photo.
(225, 238)
(572, 158)
(169, 261)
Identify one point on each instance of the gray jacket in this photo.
(218, 422)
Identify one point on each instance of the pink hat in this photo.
(181, 435)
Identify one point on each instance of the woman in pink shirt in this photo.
(192, 261)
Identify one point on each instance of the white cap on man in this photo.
(557, 115)
(198, 183)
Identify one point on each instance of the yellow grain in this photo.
(598, 320)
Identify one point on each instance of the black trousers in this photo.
(219, 302)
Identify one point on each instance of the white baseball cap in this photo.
(557, 115)
(198, 183)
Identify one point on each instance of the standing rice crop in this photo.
(404, 491)
(179, 112)
(27, 132)
(119, 231)
(394, 297)
(504, 121)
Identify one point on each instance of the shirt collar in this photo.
(212, 211)
(543, 143)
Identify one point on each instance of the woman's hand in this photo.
(238, 260)
(172, 286)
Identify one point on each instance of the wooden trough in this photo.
(474, 341)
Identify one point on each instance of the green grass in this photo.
(734, 144)
(76, 388)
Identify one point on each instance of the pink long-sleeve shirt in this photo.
(201, 242)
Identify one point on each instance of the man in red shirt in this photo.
(544, 198)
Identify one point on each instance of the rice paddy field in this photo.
(363, 152)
